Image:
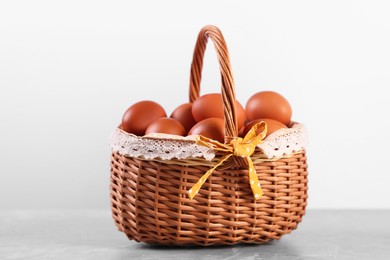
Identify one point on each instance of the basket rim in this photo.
(166, 147)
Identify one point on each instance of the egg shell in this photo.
(272, 126)
(213, 128)
(210, 105)
(183, 114)
(140, 115)
(268, 104)
(166, 125)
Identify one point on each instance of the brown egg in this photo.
(268, 104)
(210, 105)
(183, 114)
(213, 128)
(166, 125)
(140, 115)
(272, 126)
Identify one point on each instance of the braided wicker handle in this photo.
(228, 91)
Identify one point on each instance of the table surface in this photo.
(86, 234)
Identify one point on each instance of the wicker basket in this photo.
(149, 196)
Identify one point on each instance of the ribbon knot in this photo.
(241, 147)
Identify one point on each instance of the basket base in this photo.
(150, 204)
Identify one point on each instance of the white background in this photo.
(69, 69)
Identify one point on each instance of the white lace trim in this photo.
(166, 147)
(285, 141)
(161, 146)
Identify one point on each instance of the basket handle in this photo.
(227, 89)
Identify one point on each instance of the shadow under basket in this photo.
(149, 197)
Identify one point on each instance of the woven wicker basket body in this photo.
(149, 197)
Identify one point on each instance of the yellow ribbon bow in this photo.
(242, 147)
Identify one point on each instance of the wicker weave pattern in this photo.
(150, 203)
(149, 197)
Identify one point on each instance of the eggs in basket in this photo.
(205, 116)
(213, 172)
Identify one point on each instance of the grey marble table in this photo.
(92, 235)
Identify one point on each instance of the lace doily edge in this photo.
(276, 145)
